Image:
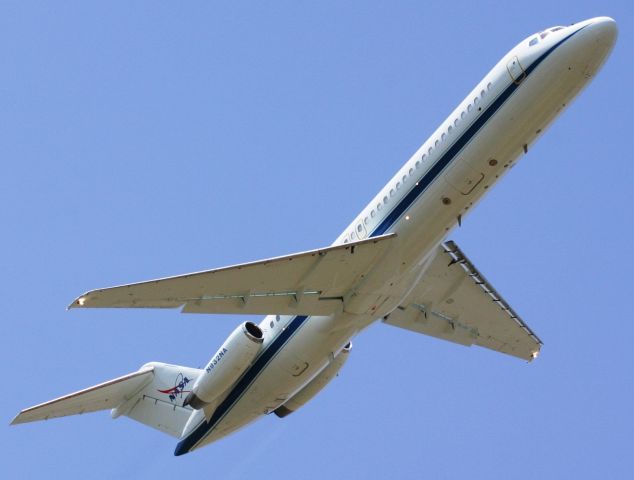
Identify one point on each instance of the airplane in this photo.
(392, 264)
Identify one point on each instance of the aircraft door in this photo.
(514, 67)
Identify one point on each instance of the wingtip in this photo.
(533, 356)
(77, 303)
(15, 420)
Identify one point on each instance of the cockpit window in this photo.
(542, 35)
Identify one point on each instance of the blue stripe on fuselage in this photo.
(245, 381)
(408, 200)
(443, 162)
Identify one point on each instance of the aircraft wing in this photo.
(308, 283)
(453, 301)
(105, 395)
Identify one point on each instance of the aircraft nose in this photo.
(604, 30)
(593, 44)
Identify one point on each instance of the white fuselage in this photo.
(477, 144)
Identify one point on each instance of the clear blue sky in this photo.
(144, 139)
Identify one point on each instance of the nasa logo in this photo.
(178, 388)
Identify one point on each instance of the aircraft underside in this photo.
(391, 264)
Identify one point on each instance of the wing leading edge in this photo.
(453, 301)
(308, 283)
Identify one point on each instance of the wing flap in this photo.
(454, 301)
(304, 283)
(99, 397)
(279, 304)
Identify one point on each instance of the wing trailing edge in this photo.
(454, 301)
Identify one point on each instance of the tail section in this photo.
(160, 403)
(153, 395)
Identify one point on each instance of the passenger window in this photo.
(398, 185)
(372, 213)
(418, 163)
(475, 101)
(379, 206)
(424, 157)
(455, 122)
(449, 129)
(436, 143)
(462, 115)
(429, 151)
(482, 94)
(443, 136)
(489, 85)
(469, 108)
(404, 179)
(385, 199)
(359, 228)
(353, 236)
(533, 42)
(391, 192)
(411, 170)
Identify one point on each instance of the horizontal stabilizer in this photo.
(308, 283)
(453, 301)
(153, 396)
(100, 397)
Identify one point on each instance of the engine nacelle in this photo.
(227, 365)
(316, 384)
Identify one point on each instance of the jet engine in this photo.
(315, 385)
(225, 367)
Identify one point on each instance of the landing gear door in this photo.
(462, 177)
(515, 70)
